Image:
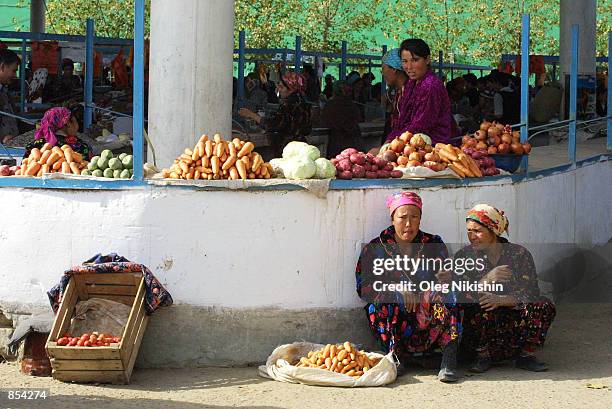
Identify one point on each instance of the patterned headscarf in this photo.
(294, 81)
(53, 120)
(490, 217)
(392, 59)
(403, 198)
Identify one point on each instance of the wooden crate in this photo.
(112, 364)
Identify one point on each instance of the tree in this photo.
(267, 22)
(112, 18)
(604, 26)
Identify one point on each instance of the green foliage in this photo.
(466, 30)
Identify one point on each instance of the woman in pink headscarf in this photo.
(58, 127)
(292, 120)
(413, 320)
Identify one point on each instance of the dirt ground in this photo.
(578, 351)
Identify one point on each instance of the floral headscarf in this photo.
(490, 217)
(53, 120)
(403, 198)
(294, 81)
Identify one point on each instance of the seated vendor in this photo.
(509, 323)
(292, 120)
(341, 115)
(423, 106)
(58, 127)
(9, 63)
(64, 87)
(410, 322)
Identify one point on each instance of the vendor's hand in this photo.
(247, 113)
(499, 274)
(411, 301)
(7, 139)
(489, 302)
(445, 277)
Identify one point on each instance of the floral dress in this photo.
(505, 332)
(436, 321)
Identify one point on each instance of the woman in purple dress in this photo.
(424, 106)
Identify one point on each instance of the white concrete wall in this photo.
(289, 250)
(192, 51)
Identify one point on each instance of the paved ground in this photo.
(543, 157)
(579, 352)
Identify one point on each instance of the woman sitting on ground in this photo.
(409, 322)
(511, 323)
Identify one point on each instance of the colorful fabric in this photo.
(402, 199)
(156, 295)
(38, 80)
(424, 107)
(437, 320)
(490, 217)
(294, 81)
(504, 332)
(53, 120)
(392, 59)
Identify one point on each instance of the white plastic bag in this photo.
(278, 367)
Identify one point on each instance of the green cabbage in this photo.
(299, 168)
(325, 169)
(301, 150)
(277, 167)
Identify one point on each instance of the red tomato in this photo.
(85, 337)
(73, 342)
(62, 341)
(80, 342)
(87, 344)
(93, 339)
(100, 343)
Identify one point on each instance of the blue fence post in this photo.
(383, 84)
(138, 103)
(343, 61)
(241, 58)
(89, 45)
(440, 62)
(609, 142)
(22, 75)
(298, 54)
(525, 28)
(571, 143)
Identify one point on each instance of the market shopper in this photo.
(395, 78)
(292, 120)
(64, 87)
(410, 322)
(342, 116)
(58, 127)
(424, 106)
(9, 63)
(508, 324)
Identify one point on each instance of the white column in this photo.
(190, 73)
(37, 16)
(583, 13)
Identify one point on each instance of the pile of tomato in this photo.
(88, 340)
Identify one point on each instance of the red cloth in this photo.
(45, 54)
(119, 70)
(536, 64)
